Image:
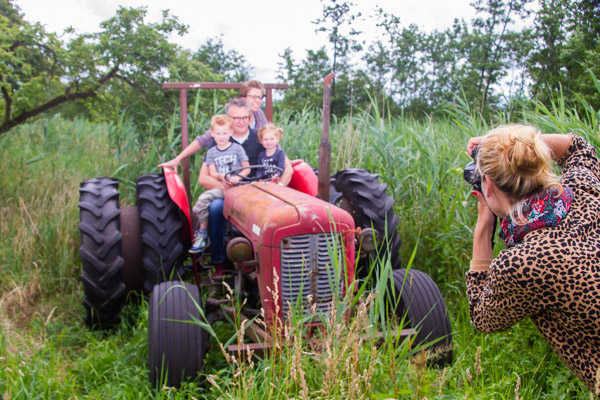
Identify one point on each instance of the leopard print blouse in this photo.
(553, 275)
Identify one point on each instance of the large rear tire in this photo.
(362, 194)
(176, 347)
(163, 251)
(102, 262)
(416, 298)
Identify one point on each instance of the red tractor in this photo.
(273, 230)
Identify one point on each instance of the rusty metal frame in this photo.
(183, 87)
(325, 146)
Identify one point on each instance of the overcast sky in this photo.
(259, 30)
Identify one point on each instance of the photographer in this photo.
(550, 270)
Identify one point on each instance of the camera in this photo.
(470, 173)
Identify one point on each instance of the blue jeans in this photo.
(218, 226)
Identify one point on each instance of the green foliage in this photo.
(231, 65)
(41, 72)
(567, 47)
(305, 79)
(48, 353)
(512, 51)
(494, 60)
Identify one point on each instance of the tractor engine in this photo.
(303, 247)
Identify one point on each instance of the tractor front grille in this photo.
(308, 268)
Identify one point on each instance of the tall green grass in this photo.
(46, 351)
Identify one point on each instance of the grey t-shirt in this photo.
(226, 160)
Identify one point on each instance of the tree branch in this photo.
(25, 115)
(7, 100)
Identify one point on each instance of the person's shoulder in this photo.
(236, 146)
(212, 150)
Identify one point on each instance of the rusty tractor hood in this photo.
(266, 213)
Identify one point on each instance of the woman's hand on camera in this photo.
(485, 216)
(473, 143)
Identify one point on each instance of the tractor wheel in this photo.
(160, 223)
(364, 196)
(101, 254)
(176, 347)
(416, 298)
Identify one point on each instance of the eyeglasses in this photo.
(240, 119)
(254, 97)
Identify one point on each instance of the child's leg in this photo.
(201, 240)
(200, 209)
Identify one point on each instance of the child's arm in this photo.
(281, 163)
(246, 171)
(212, 171)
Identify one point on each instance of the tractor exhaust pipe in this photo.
(325, 146)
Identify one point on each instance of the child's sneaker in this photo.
(201, 242)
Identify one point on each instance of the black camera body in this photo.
(470, 173)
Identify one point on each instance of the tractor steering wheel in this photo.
(245, 179)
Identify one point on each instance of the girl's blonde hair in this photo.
(519, 162)
(270, 128)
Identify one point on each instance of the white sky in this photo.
(259, 30)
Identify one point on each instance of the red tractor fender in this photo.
(178, 194)
(304, 178)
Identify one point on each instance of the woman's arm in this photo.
(558, 143)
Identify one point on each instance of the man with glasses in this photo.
(253, 93)
(239, 111)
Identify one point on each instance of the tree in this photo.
(304, 78)
(230, 64)
(488, 46)
(567, 50)
(38, 72)
(337, 23)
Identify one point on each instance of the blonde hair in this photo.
(221, 120)
(270, 128)
(519, 162)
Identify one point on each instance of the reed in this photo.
(46, 351)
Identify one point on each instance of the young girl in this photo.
(269, 137)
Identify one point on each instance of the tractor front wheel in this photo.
(176, 344)
(416, 298)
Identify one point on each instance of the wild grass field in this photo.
(47, 352)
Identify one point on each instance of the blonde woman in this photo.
(550, 270)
